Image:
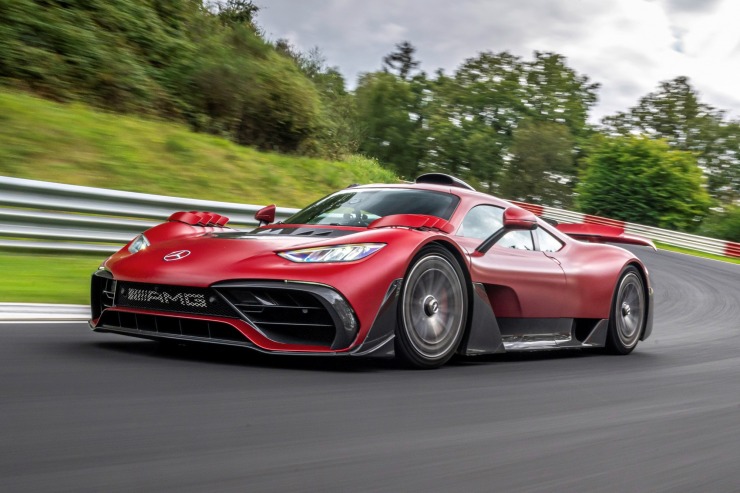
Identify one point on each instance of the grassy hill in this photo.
(72, 143)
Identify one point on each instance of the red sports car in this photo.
(421, 271)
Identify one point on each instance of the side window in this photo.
(481, 222)
(521, 240)
(546, 241)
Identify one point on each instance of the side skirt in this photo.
(532, 334)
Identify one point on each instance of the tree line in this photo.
(514, 127)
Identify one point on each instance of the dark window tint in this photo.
(361, 207)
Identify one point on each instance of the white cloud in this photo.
(628, 46)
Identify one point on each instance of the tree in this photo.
(401, 60)
(339, 135)
(644, 181)
(473, 116)
(541, 168)
(236, 11)
(311, 63)
(676, 114)
(724, 225)
(388, 112)
(248, 91)
(555, 93)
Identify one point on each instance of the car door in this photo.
(521, 282)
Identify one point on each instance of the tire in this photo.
(628, 313)
(432, 310)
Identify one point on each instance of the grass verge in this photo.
(687, 251)
(43, 278)
(74, 144)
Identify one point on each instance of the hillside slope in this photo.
(72, 143)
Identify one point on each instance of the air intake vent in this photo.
(285, 315)
(154, 326)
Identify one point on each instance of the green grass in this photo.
(72, 143)
(43, 278)
(696, 253)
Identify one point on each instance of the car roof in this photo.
(464, 194)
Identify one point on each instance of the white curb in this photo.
(39, 312)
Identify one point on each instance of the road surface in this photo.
(100, 412)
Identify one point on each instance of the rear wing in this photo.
(599, 233)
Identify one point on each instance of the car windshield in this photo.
(360, 207)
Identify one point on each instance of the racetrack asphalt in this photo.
(99, 412)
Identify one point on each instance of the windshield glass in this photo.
(361, 207)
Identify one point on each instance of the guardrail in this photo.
(38, 215)
(674, 238)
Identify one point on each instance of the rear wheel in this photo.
(628, 312)
(433, 309)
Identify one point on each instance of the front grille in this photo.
(289, 316)
(179, 299)
(152, 325)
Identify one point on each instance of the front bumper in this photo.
(273, 316)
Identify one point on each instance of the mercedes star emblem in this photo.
(178, 255)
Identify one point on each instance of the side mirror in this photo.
(515, 218)
(518, 218)
(266, 215)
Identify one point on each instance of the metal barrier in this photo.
(673, 238)
(37, 215)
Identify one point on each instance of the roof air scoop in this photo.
(442, 179)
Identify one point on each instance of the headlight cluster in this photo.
(139, 243)
(339, 253)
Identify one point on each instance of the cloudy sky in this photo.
(628, 46)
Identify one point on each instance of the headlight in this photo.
(139, 243)
(339, 253)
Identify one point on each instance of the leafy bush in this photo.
(175, 59)
(643, 181)
(724, 225)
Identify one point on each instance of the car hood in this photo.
(204, 259)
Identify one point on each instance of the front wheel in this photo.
(628, 312)
(433, 309)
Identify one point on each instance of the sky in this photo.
(627, 46)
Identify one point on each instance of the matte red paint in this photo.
(412, 221)
(266, 214)
(518, 218)
(575, 282)
(600, 233)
